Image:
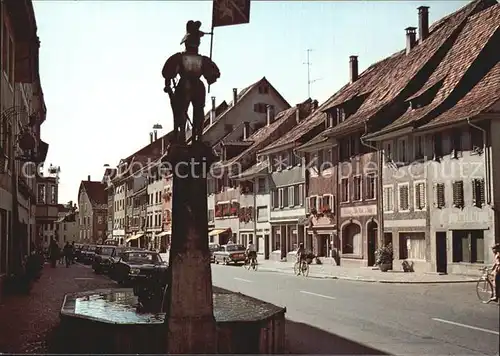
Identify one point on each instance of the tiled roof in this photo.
(284, 121)
(397, 76)
(95, 192)
(253, 170)
(472, 53)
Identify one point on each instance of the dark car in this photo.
(88, 254)
(78, 251)
(213, 247)
(231, 253)
(137, 265)
(103, 258)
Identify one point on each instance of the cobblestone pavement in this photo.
(28, 321)
(365, 274)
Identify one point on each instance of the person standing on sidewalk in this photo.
(53, 252)
(68, 254)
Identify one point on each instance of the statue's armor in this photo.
(189, 89)
(191, 66)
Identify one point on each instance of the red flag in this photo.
(230, 12)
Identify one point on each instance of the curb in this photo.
(366, 280)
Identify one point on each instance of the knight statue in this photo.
(189, 66)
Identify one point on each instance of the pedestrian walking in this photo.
(68, 253)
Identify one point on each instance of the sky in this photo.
(101, 62)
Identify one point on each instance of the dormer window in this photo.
(340, 115)
(329, 121)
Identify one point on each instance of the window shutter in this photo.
(482, 191)
(385, 199)
(440, 198)
(458, 194)
(403, 197)
(418, 202)
(478, 193)
(319, 204)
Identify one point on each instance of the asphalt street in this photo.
(343, 317)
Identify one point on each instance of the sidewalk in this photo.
(28, 320)
(365, 274)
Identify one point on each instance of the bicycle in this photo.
(301, 267)
(250, 263)
(484, 286)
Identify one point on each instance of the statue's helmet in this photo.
(193, 34)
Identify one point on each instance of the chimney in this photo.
(353, 68)
(423, 23)
(150, 137)
(246, 130)
(212, 112)
(88, 178)
(235, 96)
(156, 135)
(411, 38)
(297, 113)
(270, 114)
(163, 145)
(314, 105)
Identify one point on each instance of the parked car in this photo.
(88, 254)
(213, 247)
(137, 265)
(232, 253)
(102, 259)
(78, 251)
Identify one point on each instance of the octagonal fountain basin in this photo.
(108, 321)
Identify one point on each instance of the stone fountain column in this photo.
(190, 318)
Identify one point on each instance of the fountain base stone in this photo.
(107, 321)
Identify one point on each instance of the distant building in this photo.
(93, 208)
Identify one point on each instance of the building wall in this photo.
(356, 217)
(285, 229)
(155, 207)
(119, 211)
(412, 223)
(450, 219)
(262, 215)
(86, 218)
(494, 163)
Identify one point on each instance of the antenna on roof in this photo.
(309, 81)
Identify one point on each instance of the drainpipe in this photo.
(380, 209)
(486, 160)
(255, 186)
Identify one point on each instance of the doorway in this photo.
(441, 259)
(372, 229)
(266, 246)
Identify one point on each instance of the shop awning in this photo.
(134, 237)
(215, 232)
(164, 233)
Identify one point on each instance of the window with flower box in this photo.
(326, 204)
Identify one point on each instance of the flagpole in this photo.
(211, 44)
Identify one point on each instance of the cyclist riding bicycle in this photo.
(251, 251)
(301, 253)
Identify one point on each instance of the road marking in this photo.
(317, 295)
(243, 280)
(466, 326)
